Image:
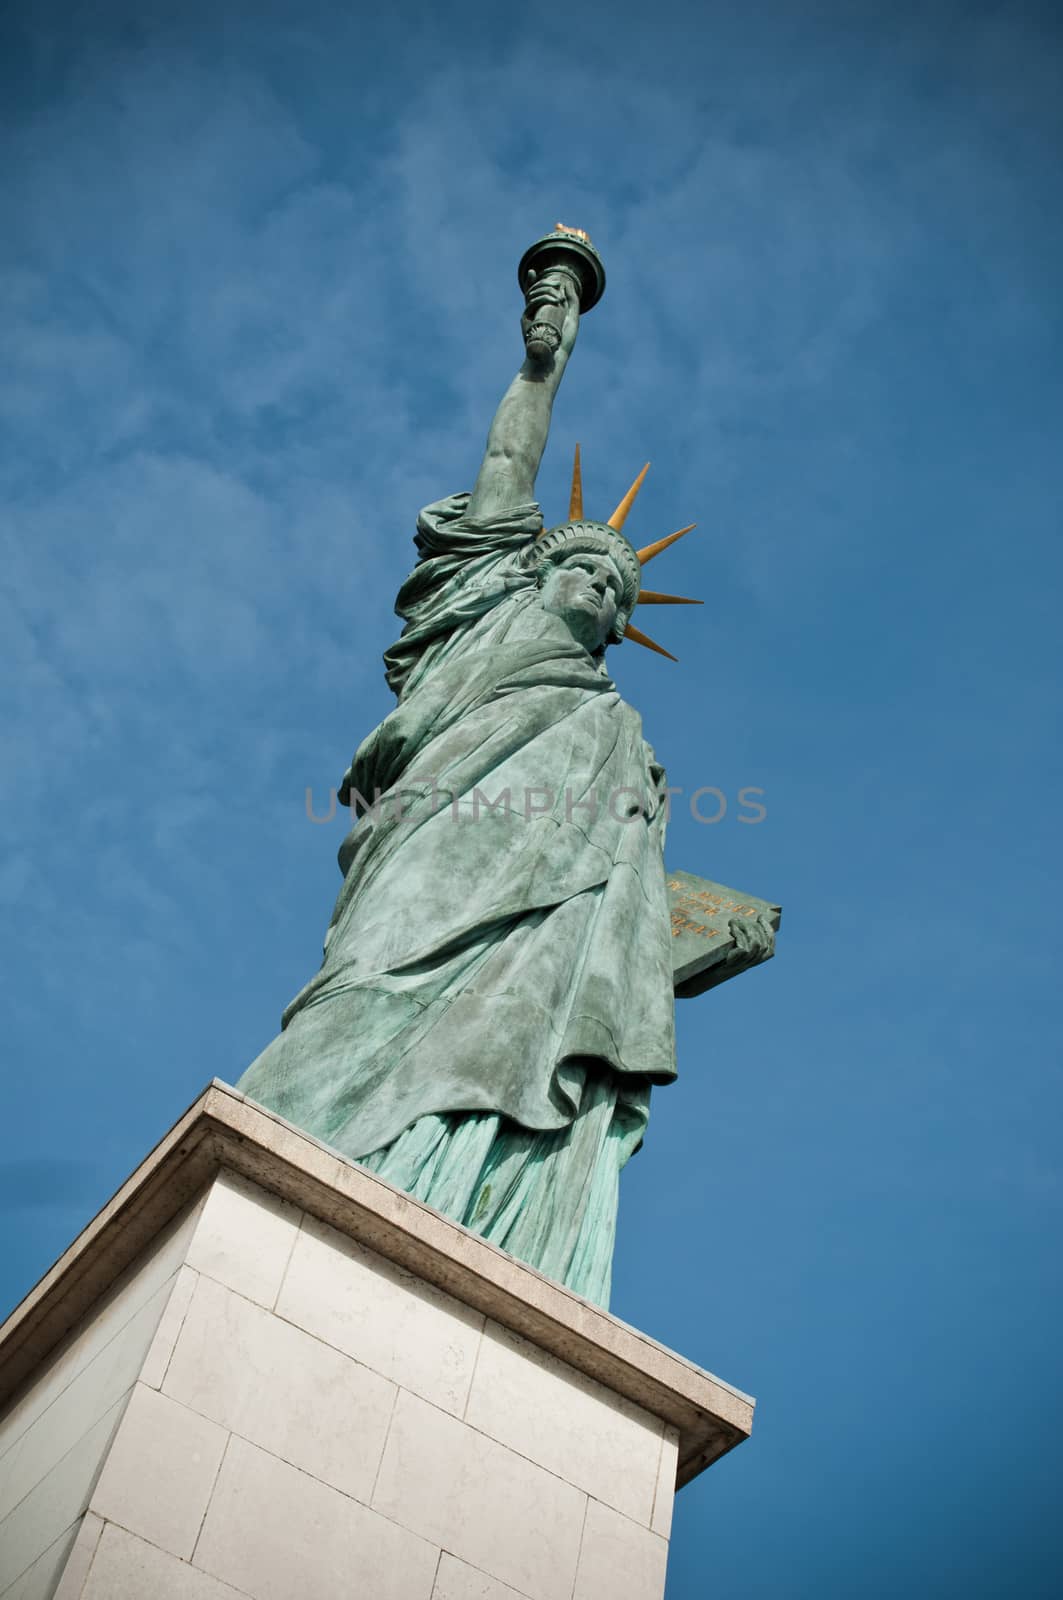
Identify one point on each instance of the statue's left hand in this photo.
(754, 939)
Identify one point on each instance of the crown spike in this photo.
(648, 551)
(575, 500)
(631, 632)
(650, 597)
(619, 516)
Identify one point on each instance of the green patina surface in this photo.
(717, 932)
(495, 1001)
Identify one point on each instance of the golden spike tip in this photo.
(575, 499)
(648, 551)
(650, 597)
(619, 516)
(631, 632)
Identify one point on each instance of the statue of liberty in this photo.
(495, 1001)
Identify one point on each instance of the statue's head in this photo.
(591, 575)
(588, 574)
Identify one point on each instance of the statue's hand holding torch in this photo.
(551, 313)
(561, 275)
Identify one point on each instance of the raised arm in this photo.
(518, 434)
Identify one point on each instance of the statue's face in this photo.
(585, 590)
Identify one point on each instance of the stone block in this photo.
(10, 1489)
(127, 1568)
(456, 1580)
(38, 1583)
(54, 1505)
(76, 1569)
(93, 1390)
(244, 1237)
(278, 1533)
(159, 1473)
(618, 1558)
(664, 1497)
(538, 1406)
(103, 1321)
(485, 1504)
(157, 1359)
(401, 1327)
(283, 1389)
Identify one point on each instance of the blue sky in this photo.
(258, 275)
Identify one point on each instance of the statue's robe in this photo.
(495, 999)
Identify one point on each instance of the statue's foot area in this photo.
(548, 1198)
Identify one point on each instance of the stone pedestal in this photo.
(263, 1372)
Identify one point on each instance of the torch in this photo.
(566, 250)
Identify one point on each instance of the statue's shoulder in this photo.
(445, 528)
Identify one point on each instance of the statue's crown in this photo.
(579, 536)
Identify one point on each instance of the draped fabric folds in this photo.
(549, 1198)
(495, 998)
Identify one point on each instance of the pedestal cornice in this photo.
(224, 1130)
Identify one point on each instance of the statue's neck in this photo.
(532, 622)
